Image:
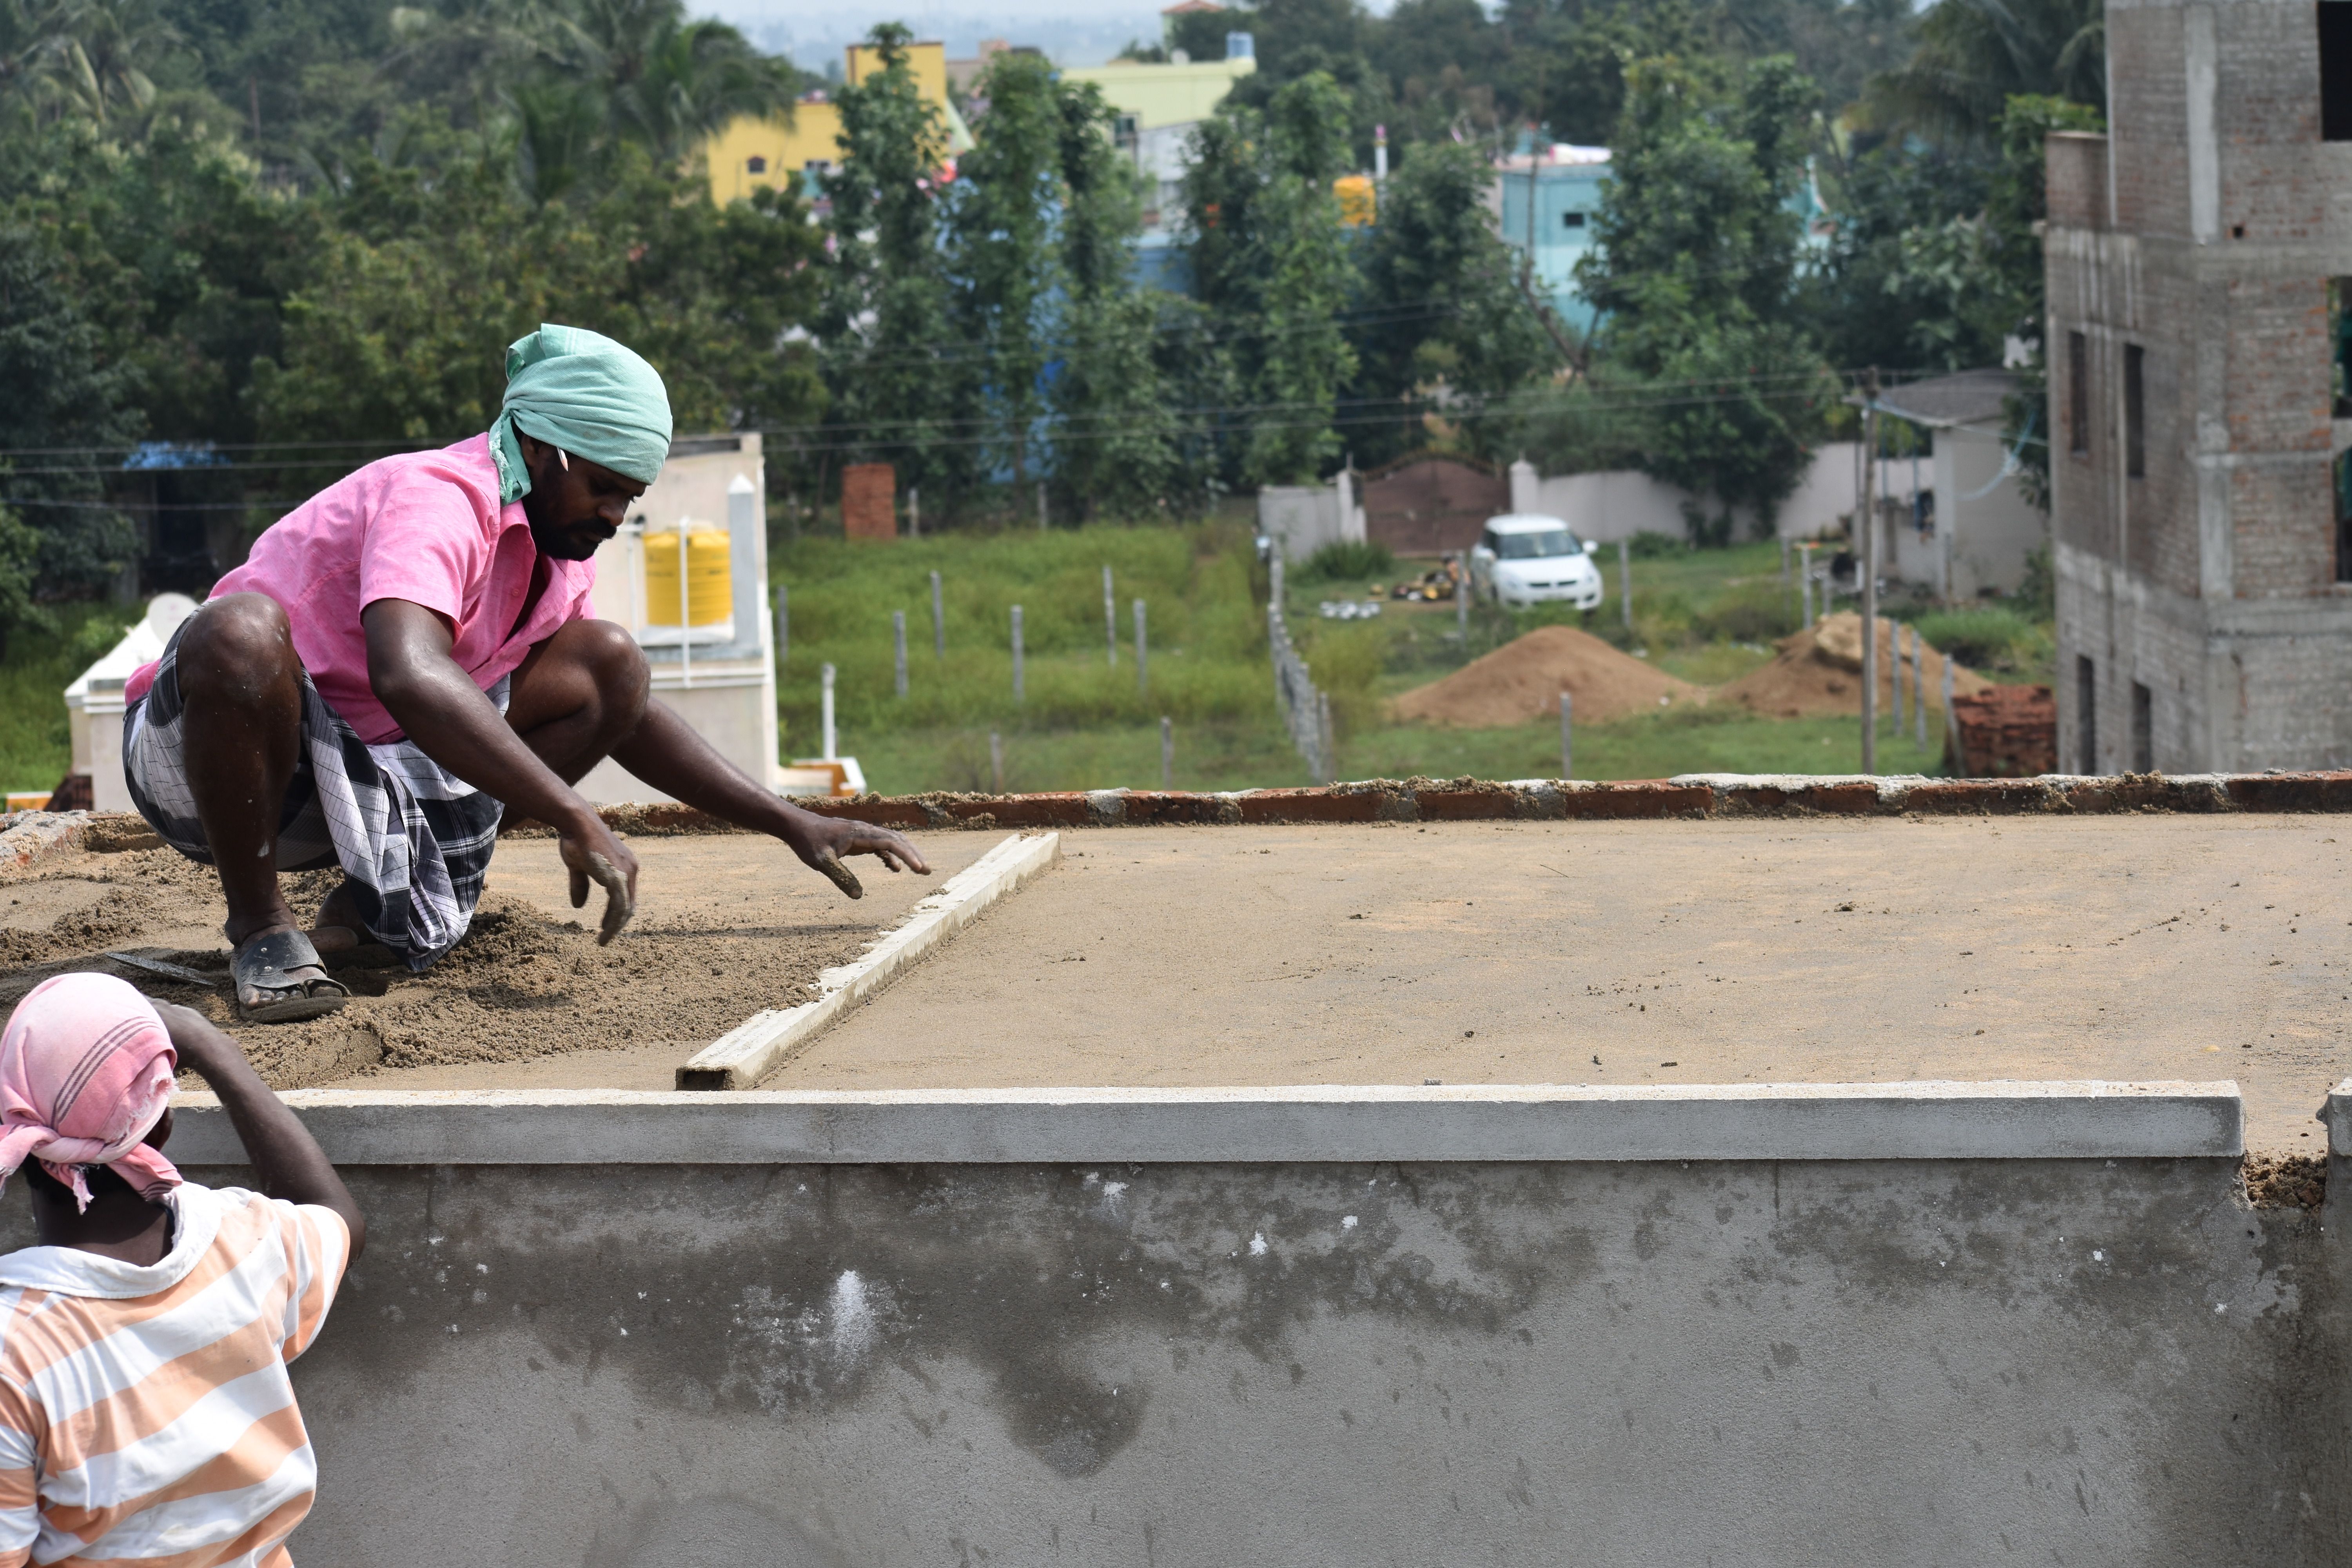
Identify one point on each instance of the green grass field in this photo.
(1704, 616)
(1084, 724)
(34, 747)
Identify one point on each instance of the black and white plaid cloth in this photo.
(413, 839)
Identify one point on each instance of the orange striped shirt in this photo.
(145, 1413)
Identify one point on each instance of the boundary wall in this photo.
(1892, 1324)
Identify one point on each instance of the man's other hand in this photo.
(822, 841)
(591, 854)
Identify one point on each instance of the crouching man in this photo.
(145, 1410)
(409, 655)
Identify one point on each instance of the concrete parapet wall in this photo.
(641, 1343)
(1316, 1122)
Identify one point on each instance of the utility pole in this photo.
(1869, 563)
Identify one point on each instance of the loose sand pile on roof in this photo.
(1818, 671)
(1523, 680)
(728, 925)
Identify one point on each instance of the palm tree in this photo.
(100, 65)
(1973, 54)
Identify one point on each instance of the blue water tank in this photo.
(1241, 45)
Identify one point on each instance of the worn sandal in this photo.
(272, 987)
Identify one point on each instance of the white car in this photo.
(1526, 559)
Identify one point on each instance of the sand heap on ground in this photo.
(1819, 671)
(1523, 680)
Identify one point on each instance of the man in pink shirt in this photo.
(409, 655)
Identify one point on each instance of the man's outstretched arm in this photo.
(457, 726)
(665, 751)
(287, 1160)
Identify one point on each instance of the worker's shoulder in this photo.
(465, 468)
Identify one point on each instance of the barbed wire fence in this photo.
(1306, 707)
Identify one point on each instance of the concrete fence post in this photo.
(1805, 581)
(995, 763)
(1462, 601)
(1567, 752)
(1625, 582)
(1041, 506)
(1142, 651)
(1167, 751)
(939, 620)
(914, 513)
(1784, 561)
(784, 624)
(1952, 721)
(831, 743)
(899, 651)
(1894, 677)
(1017, 693)
(1918, 691)
(1110, 619)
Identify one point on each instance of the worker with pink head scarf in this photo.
(144, 1400)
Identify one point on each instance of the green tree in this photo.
(885, 317)
(1695, 272)
(1974, 56)
(1001, 254)
(1116, 432)
(1444, 329)
(69, 407)
(1269, 258)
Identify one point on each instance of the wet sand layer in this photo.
(726, 924)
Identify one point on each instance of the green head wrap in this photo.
(583, 394)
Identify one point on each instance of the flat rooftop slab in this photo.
(1816, 949)
(1728, 952)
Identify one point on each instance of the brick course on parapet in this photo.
(28, 835)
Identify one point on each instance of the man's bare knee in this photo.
(618, 668)
(243, 637)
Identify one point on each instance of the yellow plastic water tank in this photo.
(704, 592)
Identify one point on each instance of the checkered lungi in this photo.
(413, 839)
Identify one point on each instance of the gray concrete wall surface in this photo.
(656, 1361)
(1800, 1363)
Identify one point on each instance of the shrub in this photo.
(1651, 545)
(1754, 611)
(1347, 560)
(1985, 636)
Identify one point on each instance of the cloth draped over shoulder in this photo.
(86, 1069)
(585, 395)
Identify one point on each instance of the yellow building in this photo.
(1164, 95)
(751, 153)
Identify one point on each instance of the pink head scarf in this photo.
(86, 1071)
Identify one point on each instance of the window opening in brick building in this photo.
(2134, 412)
(2336, 71)
(2340, 345)
(2078, 394)
(2143, 729)
(2344, 517)
(2086, 709)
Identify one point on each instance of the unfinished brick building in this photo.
(2204, 572)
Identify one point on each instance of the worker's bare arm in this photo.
(665, 751)
(455, 725)
(287, 1160)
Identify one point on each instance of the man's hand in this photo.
(591, 854)
(822, 841)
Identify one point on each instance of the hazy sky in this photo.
(1074, 32)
